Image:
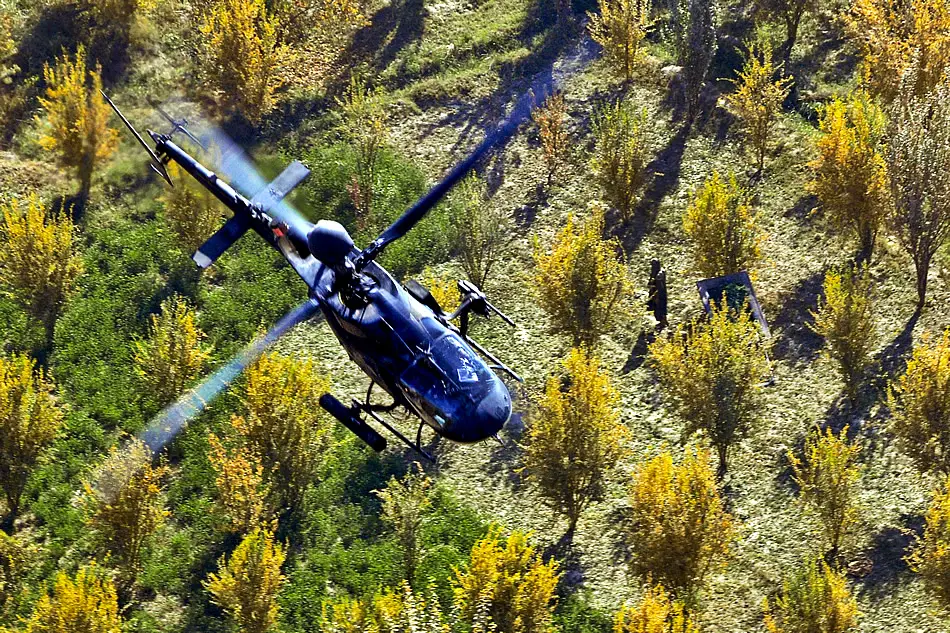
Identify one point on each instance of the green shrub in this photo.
(815, 599)
(620, 155)
(828, 478)
(399, 183)
(845, 319)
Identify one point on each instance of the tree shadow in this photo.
(893, 358)
(526, 214)
(886, 554)
(797, 341)
(665, 169)
(801, 211)
(57, 27)
(391, 29)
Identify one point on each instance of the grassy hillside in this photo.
(449, 70)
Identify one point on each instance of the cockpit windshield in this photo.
(463, 369)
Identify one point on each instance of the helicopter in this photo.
(397, 334)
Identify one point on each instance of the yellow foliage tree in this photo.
(239, 479)
(510, 581)
(14, 87)
(388, 612)
(891, 35)
(815, 599)
(656, 612)
(620, 155)
(620, 27)
(30, 418)
(88, 604)
(850, 172)
(191, 210)
(550, 119)
(724, 228)
(576, 438)
(285, 426)
(711, 371)
(245, 63)
(828, 478)
(758, 99)
(845, 319)
(405, 505)
(443, 289)
(77, 117)
(247, 584)
(172, 355)
(931, 555)
(920, 403)
(679, 527)
(13, 567)
(582, 281)
(39, 259)
(125, 503)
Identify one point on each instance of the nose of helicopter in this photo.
(484, 420)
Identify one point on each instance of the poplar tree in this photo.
(576, 438)
(76, 125)
(248, 582)
(173, 354)
(244, 61)
(850, 170)
(39, 260)
(30, 419)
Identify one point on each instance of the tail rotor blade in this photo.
(155, 161)
(172, 420)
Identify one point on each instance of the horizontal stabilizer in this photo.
(223, 238)
(271, 195)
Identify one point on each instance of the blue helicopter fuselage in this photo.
(418, 358)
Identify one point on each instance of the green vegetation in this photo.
(263, 514)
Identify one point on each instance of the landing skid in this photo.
(351, 417)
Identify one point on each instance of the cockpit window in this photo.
(460, 364)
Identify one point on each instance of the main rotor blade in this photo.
(173, 419)
(543, 85)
